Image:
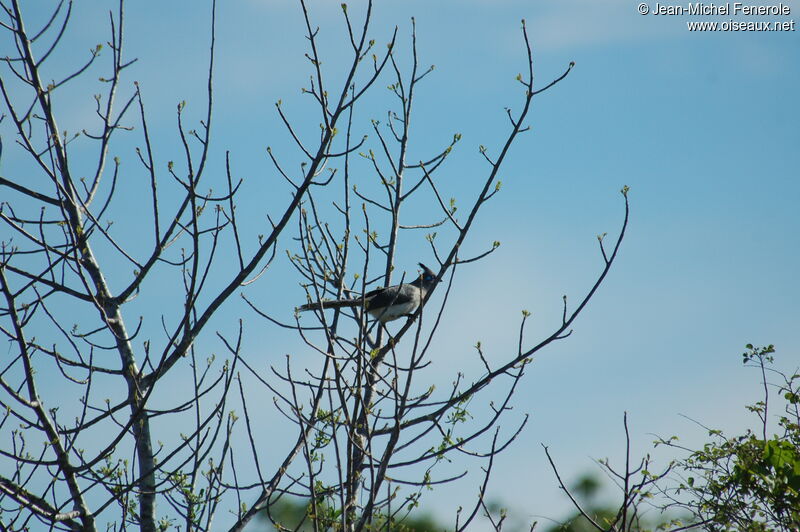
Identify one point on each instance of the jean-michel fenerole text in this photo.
(727, 8)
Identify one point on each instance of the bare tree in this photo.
(637, 483)
(368, 438)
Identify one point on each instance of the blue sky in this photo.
(703, 127)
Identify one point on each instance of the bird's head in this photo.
(427, 276)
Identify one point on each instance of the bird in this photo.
(386, 304)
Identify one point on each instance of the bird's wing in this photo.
(394, 295)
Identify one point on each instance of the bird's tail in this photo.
(339, 303)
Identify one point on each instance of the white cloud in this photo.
(579, 23)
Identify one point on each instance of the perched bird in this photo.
(386, 304)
